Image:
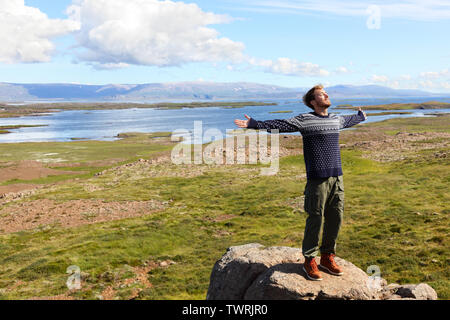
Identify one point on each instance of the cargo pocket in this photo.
(313, 198)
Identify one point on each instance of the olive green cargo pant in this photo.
(324, 204)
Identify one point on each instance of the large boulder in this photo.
(255, 272)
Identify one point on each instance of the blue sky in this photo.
(292, 43)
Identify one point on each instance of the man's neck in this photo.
(321, 111)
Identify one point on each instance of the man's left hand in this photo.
(359, 109)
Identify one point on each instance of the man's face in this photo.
(321, 99)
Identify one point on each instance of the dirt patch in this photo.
(288, 145)
(16, 188)
(108, 294)
(164, 167)
(29, 170)
(140, 278)
(402, 145)
(118, 287)
(143, 168)
(19, 191)
(138, 283)
(44, 213)
(96, 163)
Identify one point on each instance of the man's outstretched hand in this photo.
(359, 109)
(242, 123)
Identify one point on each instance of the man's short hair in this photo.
(309, 96)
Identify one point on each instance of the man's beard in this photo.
(326, 105)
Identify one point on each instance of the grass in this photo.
(83, 151)
(415, 125)
(396, 218)
(88, 157)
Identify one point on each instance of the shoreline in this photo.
(13, 111)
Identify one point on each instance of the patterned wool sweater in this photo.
(320, 139)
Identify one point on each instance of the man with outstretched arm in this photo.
(324, 191)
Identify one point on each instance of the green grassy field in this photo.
(396, 215)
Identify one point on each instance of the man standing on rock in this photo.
(324, 191)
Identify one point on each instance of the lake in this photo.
(107, 124)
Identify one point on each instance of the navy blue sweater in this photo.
(320, 139)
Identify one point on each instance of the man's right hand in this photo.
(242, 123)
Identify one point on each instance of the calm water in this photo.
(106, 124)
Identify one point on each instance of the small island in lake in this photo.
(5, 129)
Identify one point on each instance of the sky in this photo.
(400, 44)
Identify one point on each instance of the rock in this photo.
(235, 272)
(166, 263)
(255, 272)
(421, 291)
(84, 276)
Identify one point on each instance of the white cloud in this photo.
(150, 32)
(341, 70)
(429, 75)
(434, 85)
(404, 9)
(434, 74)
(109, 66)
(290, 67)
(376, 78)
(427, 80)
(405, 77)
(395, 84)
(445, 85)
(26, 32)
(427, 84)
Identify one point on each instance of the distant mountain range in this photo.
(183, 91)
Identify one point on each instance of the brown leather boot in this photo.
(327, 263)
(311, 270)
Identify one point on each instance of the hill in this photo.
(185, 91)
